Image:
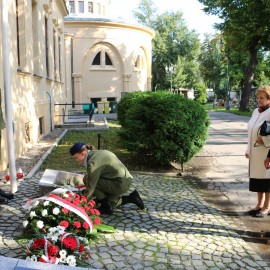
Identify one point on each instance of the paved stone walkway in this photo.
(177, 230)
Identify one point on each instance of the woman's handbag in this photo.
(265, 128)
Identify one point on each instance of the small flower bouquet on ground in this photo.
(64, 208)
(59, 247)
(64, 223)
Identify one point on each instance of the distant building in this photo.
(109, 57)
(188, 93)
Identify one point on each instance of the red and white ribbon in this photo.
(45, 259)
(70, 206)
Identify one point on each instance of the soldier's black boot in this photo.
(105, 208)
(133, 197)
(2, 200)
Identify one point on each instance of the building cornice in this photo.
(106, 22)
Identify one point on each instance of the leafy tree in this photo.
(212, 64)
(174, 45)
(146, 13)
(245, 29)
(200, 93)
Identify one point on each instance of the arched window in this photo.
(103, 60)
(140, 62)
(108, 61)
(96, 61)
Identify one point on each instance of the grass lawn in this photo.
(234, 110)
(60, 158)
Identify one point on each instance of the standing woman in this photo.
(256, 152)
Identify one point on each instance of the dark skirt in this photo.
(259, 185)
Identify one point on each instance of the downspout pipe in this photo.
(7, 94)
(50, 97)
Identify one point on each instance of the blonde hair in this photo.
(264, 89)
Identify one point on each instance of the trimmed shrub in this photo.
(163, 126)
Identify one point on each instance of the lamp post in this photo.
(228, 84)
(227, 79)
(169, 69)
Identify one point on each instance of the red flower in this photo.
(64, 223)
(97, 212)
(92, 211)
(76, 201)
(65, 210)
(38, 243)
(86, 225)
(92, 203)
(87, 208)
(70, 194)
(86, 256)
(81, 249)
(52, 250)
(77, 224)
(70, 242)
(84, 199)
(97, 221)
(68, 199)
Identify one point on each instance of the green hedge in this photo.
(162, 126)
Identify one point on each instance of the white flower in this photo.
(33, 214)
(49, 235)
(56, 211)
(61, 229)
(25, 223)
(65, 195)
(36, 203)
(52, 229)
(46, 203)
(40, 224)
(71, 260)
(54, 237)
(33, 258)
(63, 253)
(44, 213)
(62, 259)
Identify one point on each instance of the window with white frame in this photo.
(35, 25)
(81, 6)
(71, 7)
(20, 29)
(102, 60)
(90, 7)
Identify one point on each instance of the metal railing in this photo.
(70, 110)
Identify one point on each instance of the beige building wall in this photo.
(37, 60)
(3, 152)
(110, 58)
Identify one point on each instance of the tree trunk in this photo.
(249, 75)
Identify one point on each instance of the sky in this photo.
(192, 12)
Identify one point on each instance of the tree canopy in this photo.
(246, 30)
(173, 46)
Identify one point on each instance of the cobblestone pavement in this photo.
(177, 230)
